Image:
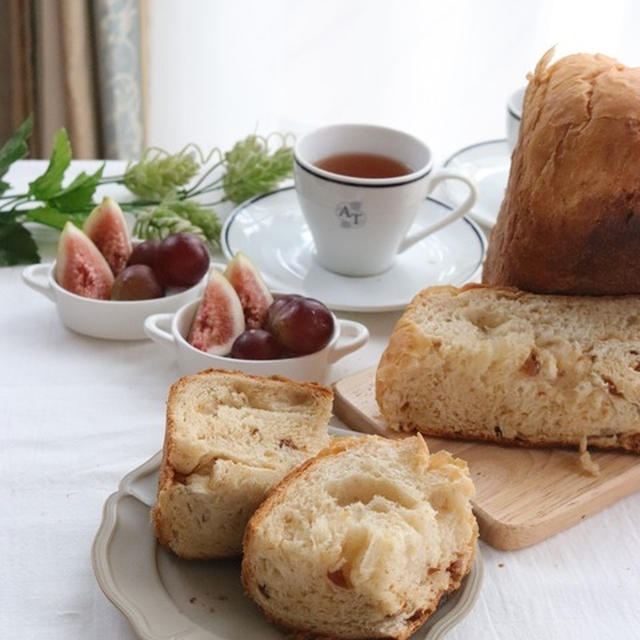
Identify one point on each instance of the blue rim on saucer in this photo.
(270, 229)
(488, 163)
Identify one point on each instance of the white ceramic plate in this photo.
(165, 598)
(272, 231)
(488, 164)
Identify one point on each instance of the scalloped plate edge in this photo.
(445, 618)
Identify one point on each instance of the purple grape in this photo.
(182, 260)
(255, 344)
(300, 325)
(136, 282)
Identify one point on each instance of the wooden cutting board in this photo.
(523, 495)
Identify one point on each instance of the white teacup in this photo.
(359, 225)
(514, 116)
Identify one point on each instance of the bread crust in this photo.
(572, 201)
(338, 446)
(624, 442)
(419, 346)
(168, 476)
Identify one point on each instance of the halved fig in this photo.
(254, 294)
(219, 319)
(80, 267)
(107, 228)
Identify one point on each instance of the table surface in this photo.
(78, 413)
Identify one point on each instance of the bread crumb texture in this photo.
(230, 438)
(499, 364)
(363, 540)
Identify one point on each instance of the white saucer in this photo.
(488, 164)
(272, 231)
(164, 597)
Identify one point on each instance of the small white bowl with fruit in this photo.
(238, 324)
(105, 287)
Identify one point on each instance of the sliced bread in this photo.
(229, 439)
(363, 540)
(498, 364)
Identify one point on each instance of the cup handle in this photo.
(465, 207)
(355, 335)
(36, 276)
(158, 328)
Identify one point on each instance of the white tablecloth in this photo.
(78, 413)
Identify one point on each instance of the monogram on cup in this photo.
(360, 187)
(351, 215)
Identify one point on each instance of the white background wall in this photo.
(220, 69)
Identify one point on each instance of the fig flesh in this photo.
(80, 267)
(219, 319)
(107, 228)
(254, 294)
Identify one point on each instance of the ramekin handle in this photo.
(158, 328)
(352, 336)
(36, 276)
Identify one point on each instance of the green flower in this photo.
(161, 175)
(250, 169)
(173, 215)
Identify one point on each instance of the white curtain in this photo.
(441, 70)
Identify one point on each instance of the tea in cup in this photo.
(359, 187)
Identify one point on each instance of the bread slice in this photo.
(363, 540)
(498, 364)
(229, 439)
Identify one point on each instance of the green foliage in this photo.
(157, 176)
(250, 169)
(16, 245)
(50, 182)
(53, 217)
(174, 215)
(166, 204)
(14, 149)
(79, 194)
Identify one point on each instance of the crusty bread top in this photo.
(570, 219)
(589, 93)
(268, 423)
(366, 532)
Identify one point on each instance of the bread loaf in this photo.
(363, 540)
(498, 364)
(570, 219)
(229, 439)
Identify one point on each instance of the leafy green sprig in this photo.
(173, 215)
(168, 189)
